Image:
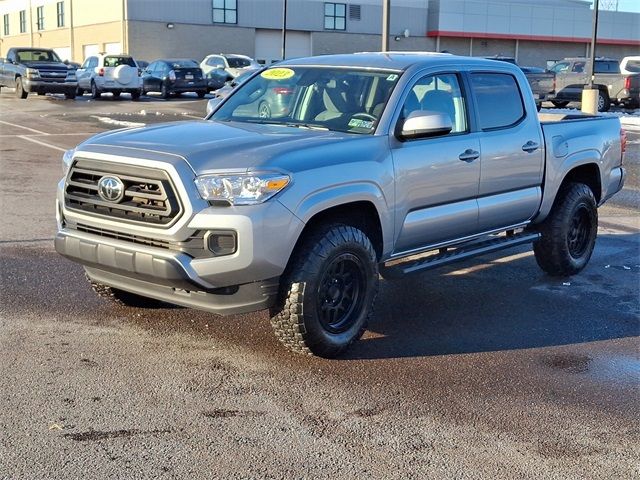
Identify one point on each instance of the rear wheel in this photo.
(201, 93)
(328, 292)
(20, 91)
(569, 232)
(559, 103)
(95, 93)
(604, 102)
(164, 91)
(122, 298)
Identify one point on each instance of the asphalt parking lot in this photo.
(485, 369)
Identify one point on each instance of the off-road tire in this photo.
(95, 93)
(569, 233)
(20, 91)
(122, 298)
(560, 103)
(299, 317)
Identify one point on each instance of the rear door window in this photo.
(116, 61)
(499, 100)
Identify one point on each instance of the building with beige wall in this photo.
(150, 29)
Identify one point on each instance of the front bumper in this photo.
(163, 275)
(41, 86)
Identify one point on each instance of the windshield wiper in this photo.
(308, 126)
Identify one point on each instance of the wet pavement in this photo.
(484, 369)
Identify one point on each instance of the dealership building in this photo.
(532, 32)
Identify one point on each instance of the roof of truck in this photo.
(387, 60)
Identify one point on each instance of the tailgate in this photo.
(541, 83)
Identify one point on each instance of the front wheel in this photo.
(80, 92)
(328, 292)
(20, 91)
(559, 103)
(70, 95)
(569, 233)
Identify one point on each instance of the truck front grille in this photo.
(149, 195)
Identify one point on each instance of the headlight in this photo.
(32, 73)
(241, 189)
(67, 157)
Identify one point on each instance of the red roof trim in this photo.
(537, 38)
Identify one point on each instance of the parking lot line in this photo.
(26, 128)
(31, 139)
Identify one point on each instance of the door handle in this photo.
(530, 146)
(469, 155)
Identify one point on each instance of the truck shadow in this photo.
(492, 304)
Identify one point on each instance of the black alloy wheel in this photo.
(339, 294)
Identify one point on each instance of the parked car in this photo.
(613, 86)
(142, 65)
(380, 157)
(37, 70)
(174, 76)
(109, 73)
(630, 65)
(542, 83)
(229, 86)
(232, 64)
(216, 79)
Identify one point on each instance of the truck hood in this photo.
(52, 66)
(209, 146)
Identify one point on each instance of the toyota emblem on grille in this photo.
(111, 189)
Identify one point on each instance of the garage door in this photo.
(64, 53)
(268, 46)
(90, 50)
(113, 48)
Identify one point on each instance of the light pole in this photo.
(590, 95)
(386, 8)
(284, 28)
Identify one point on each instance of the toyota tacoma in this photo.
(377, 164)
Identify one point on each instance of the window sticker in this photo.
(278, 73)
(392, 78)
(357, 123)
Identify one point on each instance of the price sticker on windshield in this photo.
(278, 73)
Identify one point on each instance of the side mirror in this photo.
(424, 123)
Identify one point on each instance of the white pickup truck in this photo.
(367, 164)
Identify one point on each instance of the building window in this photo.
(60, 14)
(6, 24)
(23, 21)
(40, 18)
(225, 11)
(335, 16)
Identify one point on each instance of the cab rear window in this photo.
(499, 100)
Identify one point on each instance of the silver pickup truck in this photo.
(364, 165)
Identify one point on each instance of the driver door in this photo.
(437, 178)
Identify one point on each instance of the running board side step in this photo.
(455, 254)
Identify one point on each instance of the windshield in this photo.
(329, 98)
(37, 56)
(237, 62)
